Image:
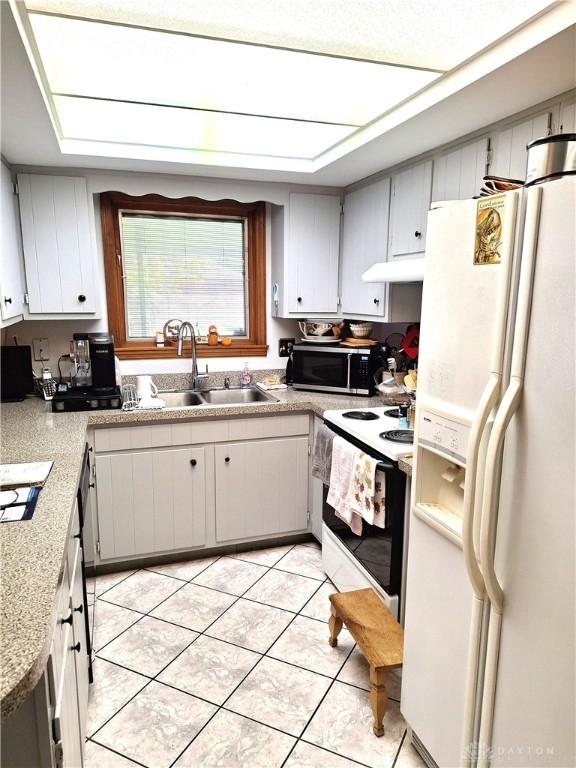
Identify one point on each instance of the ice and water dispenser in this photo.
(438, 494)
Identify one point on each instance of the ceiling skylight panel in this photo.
(117, 122)
(117, 62)
(437, 34)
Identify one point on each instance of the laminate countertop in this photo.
(32, 551)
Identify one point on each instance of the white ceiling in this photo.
(529, 67)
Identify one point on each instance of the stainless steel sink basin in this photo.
(178, 399)
(235, 396)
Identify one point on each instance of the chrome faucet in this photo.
(198, 380)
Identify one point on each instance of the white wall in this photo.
(59, 332)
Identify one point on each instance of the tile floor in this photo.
(224, 662)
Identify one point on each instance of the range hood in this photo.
(402, 271)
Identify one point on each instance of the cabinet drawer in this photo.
(271, 426)
(192, 432)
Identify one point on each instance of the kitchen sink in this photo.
(179, 398)
(235, 396)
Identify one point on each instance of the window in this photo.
(188, 259)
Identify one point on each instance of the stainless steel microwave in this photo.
(349, 370)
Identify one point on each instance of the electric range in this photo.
(377, 556)
(375, 428)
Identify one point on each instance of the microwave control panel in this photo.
(364, 371)
(443, 435)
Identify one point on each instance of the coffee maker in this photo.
(93, 375)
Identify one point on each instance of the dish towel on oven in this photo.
(367, 490)
(322, 459)
(343, 456)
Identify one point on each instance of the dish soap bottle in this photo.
(245, 377)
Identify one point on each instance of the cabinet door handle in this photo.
(77, 535)
(81, 298)
(67, 620)
(417, 234)
(227, 459)
(76, 647)
(80, 609)
(193, 462)
(7, 300)
(299, 299)
(376, 301)
(91, 485)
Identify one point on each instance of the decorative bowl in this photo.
(320, 327)
(361, 330)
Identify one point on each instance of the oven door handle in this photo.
(384, 466)
(349, 358)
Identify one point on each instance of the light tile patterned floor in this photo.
(224, 662)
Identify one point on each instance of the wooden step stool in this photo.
(379, 637)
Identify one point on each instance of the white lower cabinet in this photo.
(68, 676)
(316, 492)
(66, 728)
(261, 488)
(151, 501)
(236, 479)
(48, 730)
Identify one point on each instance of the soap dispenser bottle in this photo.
(245, 377)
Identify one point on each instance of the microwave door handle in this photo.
(349, 356)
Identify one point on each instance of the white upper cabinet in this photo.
(58, 252)
(568, 117)
(509, 146)
(458, 174)
(365, 241)
(313, 253)
(409, 204)
(11, 281)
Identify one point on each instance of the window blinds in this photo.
(184, 267)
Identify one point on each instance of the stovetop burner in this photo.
(361, 415)
(392, 413)
(398, 435)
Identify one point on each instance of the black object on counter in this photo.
(89, 399)
(16, 367)
(289, 377)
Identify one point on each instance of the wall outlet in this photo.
(284, 347)
(41, 349)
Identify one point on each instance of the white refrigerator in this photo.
(489, 663)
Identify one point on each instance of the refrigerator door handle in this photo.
(487, 402)
(508, 407)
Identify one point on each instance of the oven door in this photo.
(326, 369)
(377, 551)
(372, 549)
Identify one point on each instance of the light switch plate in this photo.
(41, 349)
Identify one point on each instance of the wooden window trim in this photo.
(110, 205)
